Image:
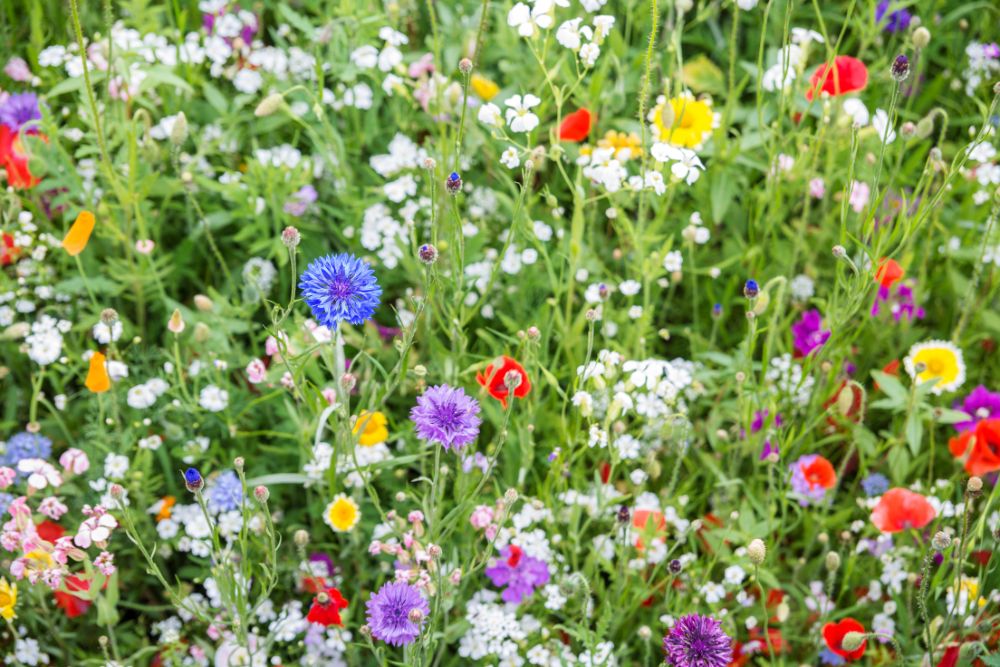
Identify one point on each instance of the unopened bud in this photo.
(201, 332)
(510, 496)
(109, 316)
(178, 133)
(512, 379)
(941, 541)
(832, 561)
(975, 485)
(117, 492)
(427, 253)
(261, 494)
(852, 641)
(839, 251)
(348, 381)
(464, 65)
(416, 615)
(756, 551)
(269, 105)
(239, 462)
(176, 322)
(301, 537)
(921, 37)
(203, 303)
(290, 237)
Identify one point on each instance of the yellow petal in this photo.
(97, 377)
(78, 235)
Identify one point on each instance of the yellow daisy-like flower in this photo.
(373, 428)
(342, 513)
(682, 121)
(8, 598)
(936, 360)
(483, 87)
(625, 145)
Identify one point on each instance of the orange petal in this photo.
(78, 235)
(97, 377)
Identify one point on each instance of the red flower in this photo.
(833, 634)
(889, 271)
(847, 403)
(899, 509)
(605, 472)
(71, 604)
(950, 657)
(847, 76)
(648, 521)
(50, 531)
(819, 473)
(984, 454)
(326, 608)
(8, 251)
(14, 158)
(494, 380)
(576, 126)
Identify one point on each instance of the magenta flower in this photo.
(396, 613)
(982, 404)
(697, 641)
(901, 303)
(520, 573)
(808, 333)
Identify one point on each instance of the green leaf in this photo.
(948, 416)
(914, 432)
(891, 385)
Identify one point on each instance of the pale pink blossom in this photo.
(481, 517)
(7, 477)
(41, 473)
(74, 461)
(817, 188)
(95, 530)
(144, 246)
(256, 371)
(860, 193)
(53, 508)
(105, 562)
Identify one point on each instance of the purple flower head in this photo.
(875, 484)
(760, 420)
(982, 404)
(768, 449)
(901, 303)
(519, 572)
(808, 333)
(340, 288)
(321, 564)
(697, 641)
(19, 110)
(225, 493)
(477, 460)
(828, 657)
(896, 21)
(391, 612)
(25, 445)
(809, 492)
(299, 202)
(447, 416)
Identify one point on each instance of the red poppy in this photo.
(846, 76)
(847, 403)
(648, 521)
(71, 604)
(8, 251)
(950, 657)
(984, 453)
(326, 606)
(834, 633)
(899, 509)
(605, 472)
(819, 472)
(516, 553)
(576, 126)
(50, 531)
(14, 158)
(493, 379)
(889, 271)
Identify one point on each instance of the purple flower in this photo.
(901, 303)
(447, 416)
(697, 641)
(225, 493)
(982, 404)
(768, 449)
(520, 573)
(810, 491)
(760, 419)
(808, 333)
(299, 202)
(340, 288)
(392, 610)
(896, 21)
(19, 110)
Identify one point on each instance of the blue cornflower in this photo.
(19, 110)
(225, 493)
(5, 500)
(751, 289)
(828, 657)
(453, 184)
(25, 445)
(875, 484)
(340, 288)
(895, 21)
(193, 480)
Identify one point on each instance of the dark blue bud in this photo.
(193, 480)
(751, 289)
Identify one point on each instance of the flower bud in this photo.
(176, 322)
(852, 641)
(756, 551)
(921, 37)
(269, 105)
(510, 496)
(975, 485)
(839, 251)
(900, 69)
(203, 303)
(832, 561)
(117, 492)
(261, 494)
(512, 380)
(290, 237)
(239, 462)
(464, 65)
(301, 537)
(109, 316)
(427, 253)
(941, 541)
(178, 133)
(416, 615)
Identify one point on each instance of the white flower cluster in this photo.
(785, 377)
(790, 60)
(494, 630)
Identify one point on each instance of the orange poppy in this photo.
(819, 472)
(14, 158)
(494, 380)
(889, 271)
(900, 509)
(981, 446)
(648, 521)
(576, 126)
(98, 380)
(79, 234)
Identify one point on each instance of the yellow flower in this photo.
(483, 87)
(936, 360)
(683, 121)
(342, 514)
(8, 598)
(374, 425)
(625, 145)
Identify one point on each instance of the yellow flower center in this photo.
(343, 514)
(372, 426)
(940, 364)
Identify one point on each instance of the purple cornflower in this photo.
(396, 613)
(982, 404)
(901, 303)
(895, 21)
(697, 641)
(340, 288)
(811, 478)
(299, 203)
(520, 573)
(808, 333)
(875, 484)
(828, 657)
(25, 445)
(447, 416)
(18, 110)
(225, 493)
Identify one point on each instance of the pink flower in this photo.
(272, 346)
(41, 473)
(17, 69)
(416, 516)
(481, 517)
(817, 188)
(95, 530)
(7, 476)
(105, 563)
(860, 193)
(144, 246)
(330, 394)
(256, 371)
(52, 508)
(74, 461)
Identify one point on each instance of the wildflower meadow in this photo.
(565, 333)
